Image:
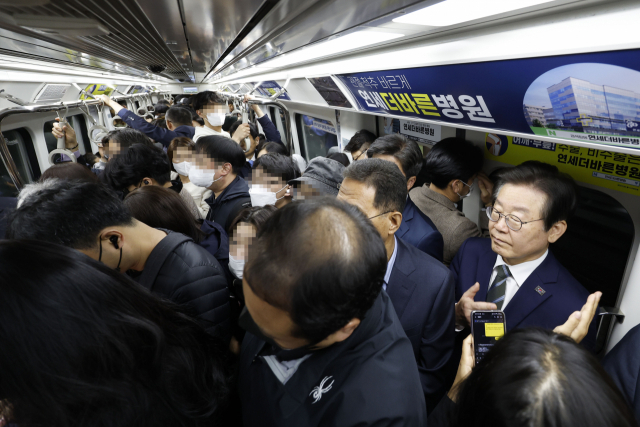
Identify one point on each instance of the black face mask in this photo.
(246, 322)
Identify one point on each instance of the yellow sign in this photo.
(615, 171)
(97, 89)
(494, 330)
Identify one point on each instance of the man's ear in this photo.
(341, 334)
(410, 182)
(395, 219)
(199, 113)
(227, 169)
(556, 231)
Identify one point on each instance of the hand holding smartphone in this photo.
(487, 327)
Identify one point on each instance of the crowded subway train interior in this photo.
(314, 83)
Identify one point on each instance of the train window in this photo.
(277, 117)
(597, 244)
(316, 136)
(79, 124)
(21, 148)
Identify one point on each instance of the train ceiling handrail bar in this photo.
(5, 155)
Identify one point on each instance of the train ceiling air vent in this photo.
(63, 26)
(51, 93)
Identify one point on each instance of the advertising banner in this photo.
(601, 168)
(97, 89)
(592, 97)
(269, 88)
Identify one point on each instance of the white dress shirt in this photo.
(519, 274)
(392, 261)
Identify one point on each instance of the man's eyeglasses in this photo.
(512, 221)
(383, 213)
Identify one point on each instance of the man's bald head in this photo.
(319, 260)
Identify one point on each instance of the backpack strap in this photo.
(159, 255)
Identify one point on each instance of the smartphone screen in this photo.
(487, 327)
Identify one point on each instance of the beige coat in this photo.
(450, 222)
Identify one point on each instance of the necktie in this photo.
(499, 286)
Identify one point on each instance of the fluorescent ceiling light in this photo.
(450, 12)
(340, 44)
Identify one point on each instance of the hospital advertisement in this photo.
(593, 97)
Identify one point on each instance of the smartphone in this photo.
(487, 327)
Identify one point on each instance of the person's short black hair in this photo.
(561, 194)
(222, 149)
(339, 157)
(164, 102)
(253, 129)
(179, 116)
(384, 177)
(127, 137)
(229, 121)
(535, 377)
(406, 151)
(278, 165)
(201, 99)
(323, 285)
(69, 213)
(136, 163)
(160, 109)
(453, 158)
(359, 139)
(271, 147)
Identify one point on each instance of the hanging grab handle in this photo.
(61, 146)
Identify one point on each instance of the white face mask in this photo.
(236, 265)
(216, 119)
(183, 168)
(261, 196)
(469, 193)
(203, 178)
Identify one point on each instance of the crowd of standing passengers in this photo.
(194, 273)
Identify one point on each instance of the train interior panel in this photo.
(556, 81)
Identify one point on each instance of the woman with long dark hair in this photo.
(83, 345)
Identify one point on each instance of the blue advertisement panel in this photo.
(269, 88)
(592, 97)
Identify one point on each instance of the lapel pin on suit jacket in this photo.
(540, 290)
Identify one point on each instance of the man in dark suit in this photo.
(416, 229)
(514, 271)
(622, 363)
(420, 287)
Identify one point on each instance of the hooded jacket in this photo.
(224, 208)
(370, 379)
(185, 273)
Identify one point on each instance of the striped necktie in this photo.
(499, 286)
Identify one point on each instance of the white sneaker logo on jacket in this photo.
(318, 391)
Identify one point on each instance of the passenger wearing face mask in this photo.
(453, 166)
(242, 231)
(181, 156)
(218, 161)
(271, 173)
(141, 165)
(213, 110)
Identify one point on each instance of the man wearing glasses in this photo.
(514, 271)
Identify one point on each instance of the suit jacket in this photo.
(418, 230)
(623, 364)
(454, 226)
(422, 292)
(545, 300)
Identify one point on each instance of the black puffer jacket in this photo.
(184, 272)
